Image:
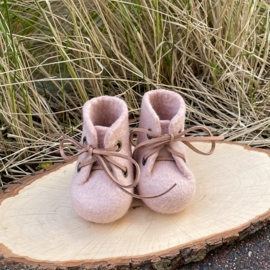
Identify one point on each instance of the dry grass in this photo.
(57, 54)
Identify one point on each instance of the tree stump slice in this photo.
(40, 229)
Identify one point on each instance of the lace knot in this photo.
(103, 157)
(159, 142)
(89, 148)
(171, 137)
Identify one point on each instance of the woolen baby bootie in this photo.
(160, 152)
(102, 186)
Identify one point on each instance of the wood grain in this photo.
(39, 227)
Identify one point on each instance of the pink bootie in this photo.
(160, 152)
(102, 186)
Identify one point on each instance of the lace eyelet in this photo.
(79, 169)
(119, 145)
(125, 173)
(148, 136)
(84, 140)
(144, 161)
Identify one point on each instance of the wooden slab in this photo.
(38, 225)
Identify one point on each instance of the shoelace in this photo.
(157, 141)
(99, 156)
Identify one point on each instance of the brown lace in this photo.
(157, 141)
(99, 156)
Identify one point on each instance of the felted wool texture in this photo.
(94, 196)
(163, 112)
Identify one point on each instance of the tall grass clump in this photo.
(57, 54)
